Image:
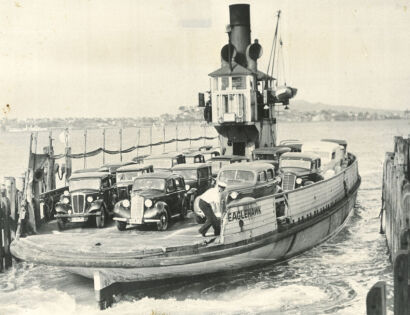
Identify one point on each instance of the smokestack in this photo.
(239, 16)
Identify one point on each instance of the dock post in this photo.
(2, 210)
(376, 299)
(401, 289)
(138, 140)
(6, 229)
(104, 290)
(11, 193)
(51, 179)
(68, 164)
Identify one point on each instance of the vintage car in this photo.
(270, 155)
(89, 196)
(165, 161)
(126, 175)
(330, 153)
(294, 145)
(155, 198)
(218, 161)
(244, 180)
(194, 157)
(299, 169)
(198, 178)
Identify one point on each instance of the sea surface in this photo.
(332, 278)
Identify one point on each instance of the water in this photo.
(332, 278)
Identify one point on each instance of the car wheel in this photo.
(121, 225)
(184, 210)
(162, 225)
(199, 219)
(60, 224)
(100, 220)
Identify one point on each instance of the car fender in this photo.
(62, 207)
(120, 211)
(96, 205)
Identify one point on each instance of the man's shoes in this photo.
(203, 233)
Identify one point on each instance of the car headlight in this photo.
(66, 193)
(298, 181)
(90, 199)
(126, 203)
(187, 187)
(148, 203)
(66, 200)
(69, 211)
(234, 195)
(278, 179)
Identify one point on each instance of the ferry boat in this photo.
(253, 232)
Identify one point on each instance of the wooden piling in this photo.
(68, 164)
(150, 140)
(401, 286)
(138, 140)
(51, 179)
(6, 233)
(376, 299)
(176, 138)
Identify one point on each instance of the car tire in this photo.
(100, 220)
(121, 226)
(60, 224)
(162, 225)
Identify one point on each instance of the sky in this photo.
(132, 58)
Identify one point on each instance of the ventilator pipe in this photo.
(253, 53)
(226, 52)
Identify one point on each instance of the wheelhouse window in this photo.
(84, 183)
(238, 83)
(224, 83)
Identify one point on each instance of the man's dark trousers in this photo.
(211, 219)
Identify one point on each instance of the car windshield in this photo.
(192, 159)
(127, 176)
(161, 163)
(84, 183)
(216, 165)
(241, 176)
(187, 174)
(295, 163)
(149, 183)
(265, 157)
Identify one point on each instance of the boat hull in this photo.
(279, 247)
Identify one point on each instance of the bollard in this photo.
(376, 299)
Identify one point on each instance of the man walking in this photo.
(209, 203)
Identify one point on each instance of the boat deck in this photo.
(109, 241)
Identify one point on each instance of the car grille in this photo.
(137, 208)
(78, 203)
(288, 181)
